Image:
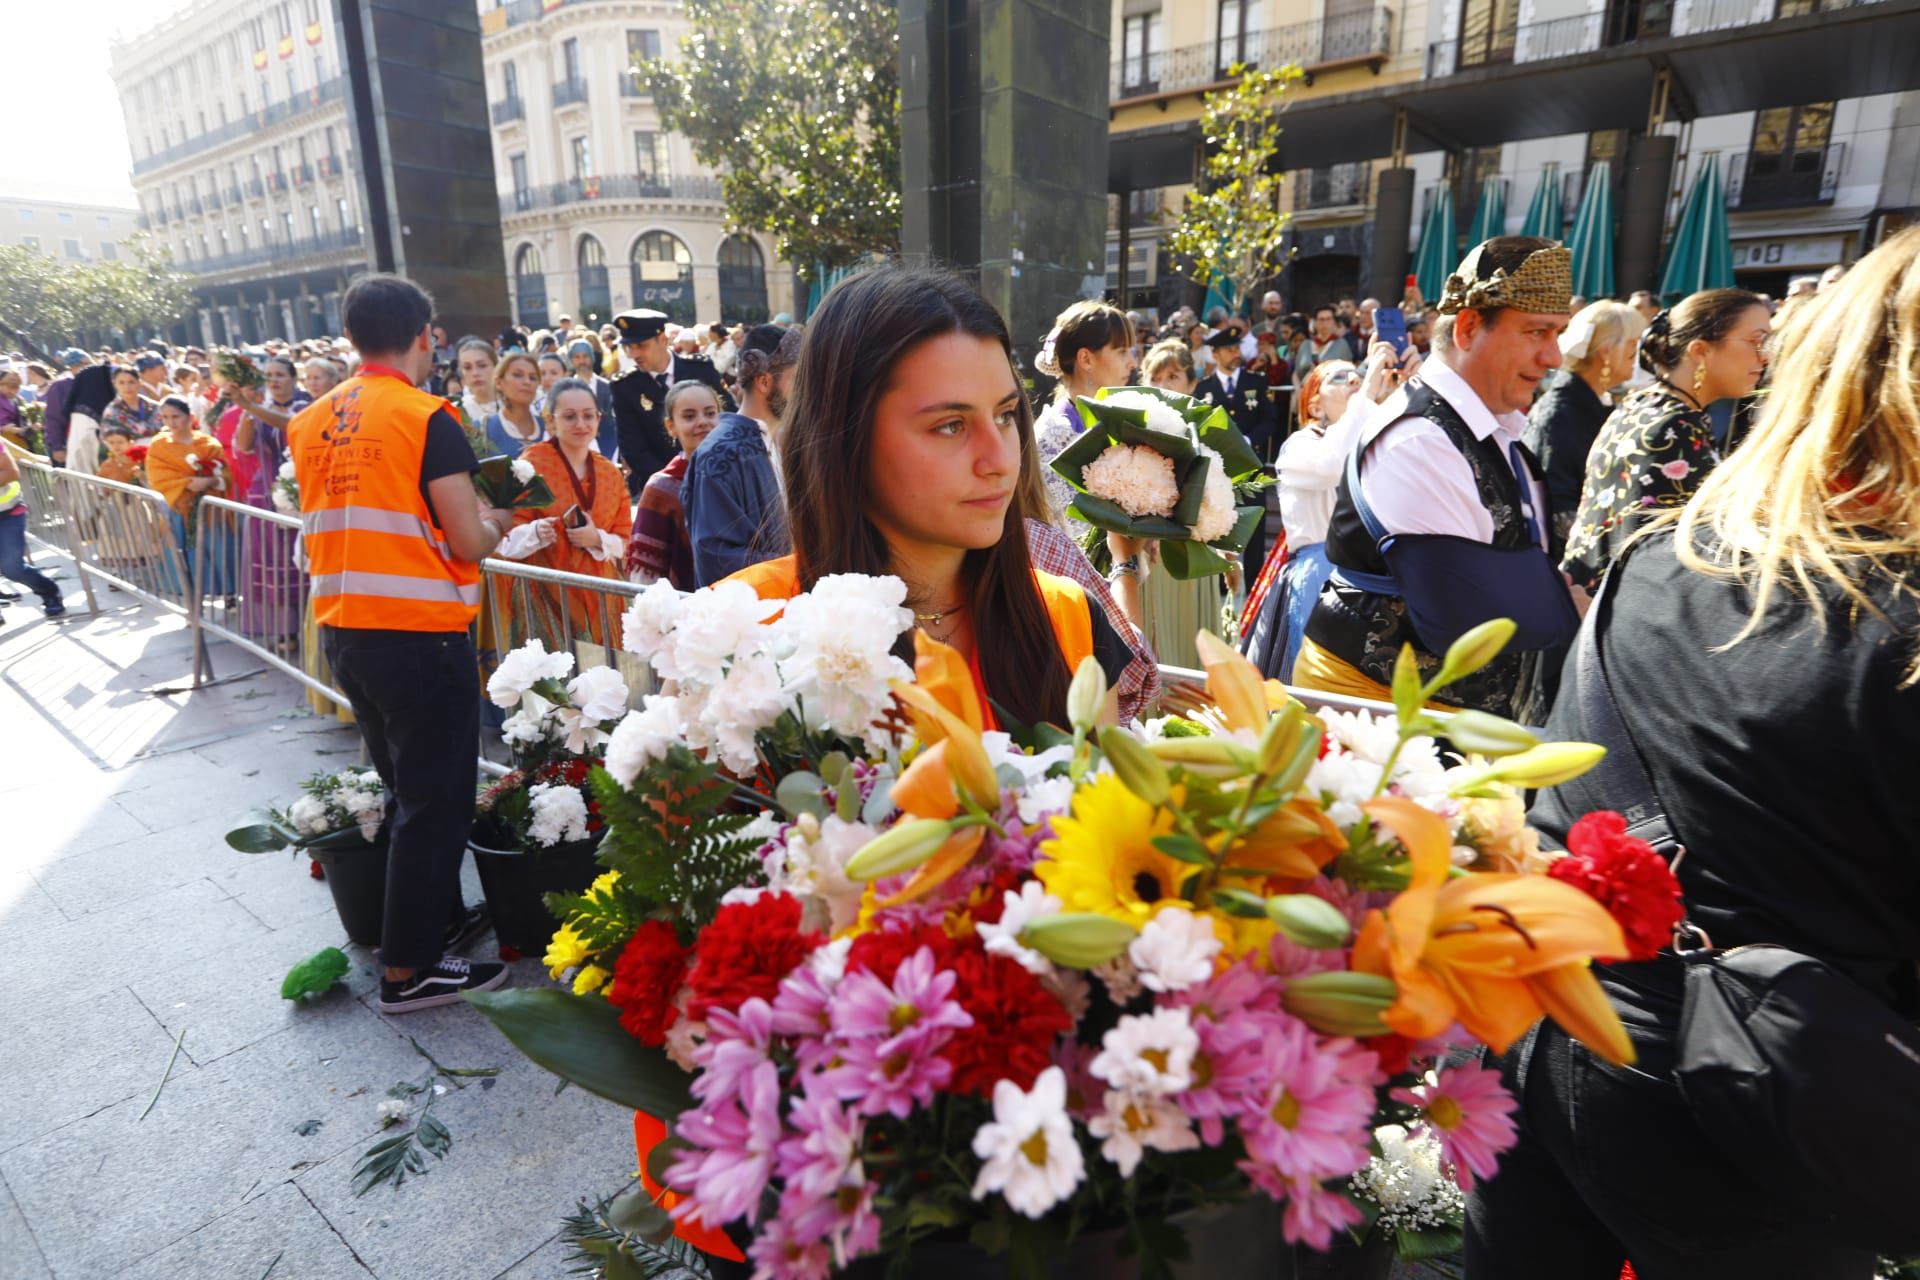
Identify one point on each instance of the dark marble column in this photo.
(1004, 149)
(1643, 211)
(419, 108)
(1392, 225)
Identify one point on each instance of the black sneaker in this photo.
(442, 984)
(466, 926)
(54, 607)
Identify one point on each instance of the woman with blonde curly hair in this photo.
(1762, 648)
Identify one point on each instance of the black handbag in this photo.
(1796, 1072)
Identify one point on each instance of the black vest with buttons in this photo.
(1366, 628)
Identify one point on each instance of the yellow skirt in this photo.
(1320, 671)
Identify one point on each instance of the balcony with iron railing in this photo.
(517, 13)
(1339, 41)
(1340, 186)
(509, 111)
(300, 103)
(569, 92)
(632, 86)
(302, 174)
(1797, 180)
(292, 253)
(234, 195)
(255, 188)
(213, 202)
(618, 186)
(1623, 25)
(276, 181)
(330, 166)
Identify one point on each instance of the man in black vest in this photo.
(1443, 457)
(640, 398)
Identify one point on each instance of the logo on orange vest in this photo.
(346, 417)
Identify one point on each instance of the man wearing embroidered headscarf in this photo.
(1443, 456)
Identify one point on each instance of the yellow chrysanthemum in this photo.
(1102, 860)
(590, 979)
(566, 950)
(603, 883)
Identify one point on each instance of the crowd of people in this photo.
(1732, 480)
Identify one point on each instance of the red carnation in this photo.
(746, 951)
(881, 952)
(646, 978)
(1015, 1022)
(1624, 875)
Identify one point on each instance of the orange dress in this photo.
(603, 495)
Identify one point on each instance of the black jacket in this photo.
(1561, 429)
(1252, 406)
(640, 412)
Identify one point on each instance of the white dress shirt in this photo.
(1310, 465)
(1417, 482)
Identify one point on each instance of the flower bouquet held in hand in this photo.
(886, 979)
(286, 490)
(508, 483)
(237, 369)
(1164, 466)
(33, 424)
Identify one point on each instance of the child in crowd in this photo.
(121, 462)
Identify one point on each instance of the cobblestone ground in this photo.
(129, 924)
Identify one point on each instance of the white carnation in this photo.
(559, 814)
(1134, 478)
(642, 737)
(747, 700)
(650, 618)
(1161, 416)
(308, 814)
(1175, 950)
(523, 471)
(532, 724)
(812, 865)
(835, 645)
(523, 668)
(600, 693)
(1217, 513)
(391, 1111)
(716, 627)
(284, 502)
(286, 470)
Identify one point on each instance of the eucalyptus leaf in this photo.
(634, 1212)
(799, 793)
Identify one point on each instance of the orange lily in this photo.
(1293, 844)
(945, 712)
(1492, 952)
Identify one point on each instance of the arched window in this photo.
(663, 275)
(530, 286)
(743, 281)
(596, 299)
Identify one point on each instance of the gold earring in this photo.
(1699, 380)
(1606, 374)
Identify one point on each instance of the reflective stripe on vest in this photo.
(393, 586)
(373, 520)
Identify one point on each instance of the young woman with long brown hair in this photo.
(904, 451)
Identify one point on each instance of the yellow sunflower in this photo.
(1102, 860)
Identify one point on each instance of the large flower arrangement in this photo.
(556, 735)
(1160, 465)
(891, 977)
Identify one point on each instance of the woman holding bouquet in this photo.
(904, 448)
(586, 527)
(184, 464)
(1172, 610)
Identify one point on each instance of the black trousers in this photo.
(416, 695)
(1611, 1167)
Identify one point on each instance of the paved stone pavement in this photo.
(127, 921)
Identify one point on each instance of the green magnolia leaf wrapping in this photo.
(579, 1038)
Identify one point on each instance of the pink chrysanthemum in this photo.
(1469, 1112)
(782, 1251)
(1314, 1214)
(729, 1158)
(1314, 1121)
(736, 1044)
(1230, 1073)
(889, 1036)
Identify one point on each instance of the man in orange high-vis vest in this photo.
(394, 538)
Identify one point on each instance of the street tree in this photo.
(796, 103)
(1232, 226)
(45, 303)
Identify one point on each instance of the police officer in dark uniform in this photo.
(1245, 395)
(639, 398)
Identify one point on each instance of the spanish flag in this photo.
(286, 47)
(313, 33)
(548, 6)
(259, 59)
